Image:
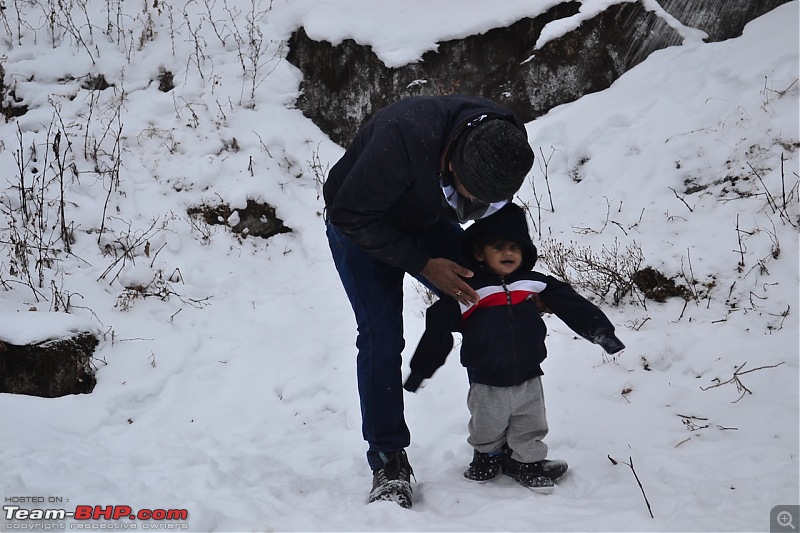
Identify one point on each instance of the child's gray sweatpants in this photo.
(513, 415)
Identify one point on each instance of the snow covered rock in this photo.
(37, 363)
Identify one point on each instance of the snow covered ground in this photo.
(230, 391)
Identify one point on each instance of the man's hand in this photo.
(446, 276)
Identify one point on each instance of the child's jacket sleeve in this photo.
(581, 315)
(441, 319)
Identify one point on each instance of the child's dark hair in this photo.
(481, 240)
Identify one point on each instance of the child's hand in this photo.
(610, 343)
(413, 382)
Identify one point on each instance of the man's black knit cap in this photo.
(491, 159)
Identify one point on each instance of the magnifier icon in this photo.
(785, 519)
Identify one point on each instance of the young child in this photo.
(503, 346)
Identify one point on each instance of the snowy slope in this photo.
(233, 395)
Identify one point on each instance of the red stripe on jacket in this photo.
(496, 295)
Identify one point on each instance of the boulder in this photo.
(49, 369)
(344, 84)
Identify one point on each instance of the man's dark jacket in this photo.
(386, 187)
(503, 335)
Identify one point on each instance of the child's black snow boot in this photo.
(485, 466)
(528, 475)
(552, 468)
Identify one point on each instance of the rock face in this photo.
(344, 84)
(49, 369)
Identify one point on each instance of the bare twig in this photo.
(681, 199)
(637, 324)
(736, 379)
(630, 464)
(691, 422)
(741, 244)
(770, 199)
(781, 210)
(544, 163)
(783, 181)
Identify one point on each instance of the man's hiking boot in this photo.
(393, 481)
(539, 476)
(485, 466)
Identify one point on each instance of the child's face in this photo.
(501, 258)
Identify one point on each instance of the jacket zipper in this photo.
(508, 295)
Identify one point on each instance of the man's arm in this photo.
(382, 173)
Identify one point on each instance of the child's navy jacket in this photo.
(503, 335)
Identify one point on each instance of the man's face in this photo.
(462, 190)
(502, 258)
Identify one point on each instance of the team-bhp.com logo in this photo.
(90, 517)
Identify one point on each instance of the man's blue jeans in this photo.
(375, 291)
